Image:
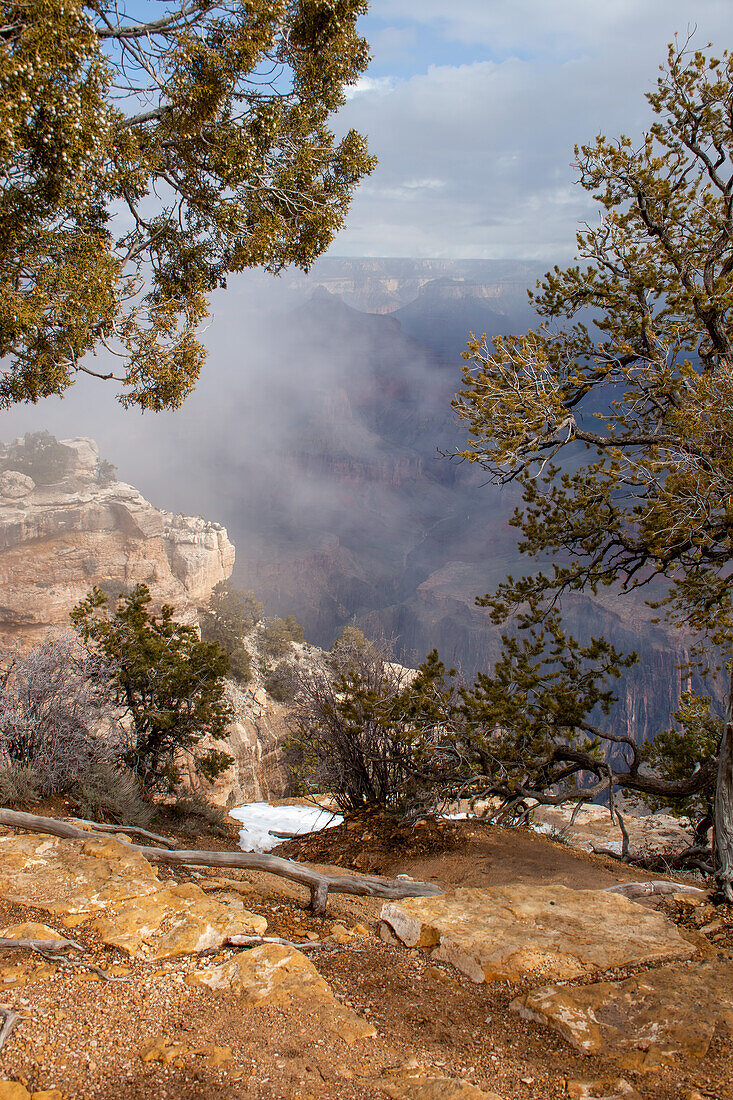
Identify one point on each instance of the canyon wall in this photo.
(67, 524)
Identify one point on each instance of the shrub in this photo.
(280, 683)
(277, 634)
(55, 719)
(110, 792)
(169, 683)
(19, 785)
(230, 614)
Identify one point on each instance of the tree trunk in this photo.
(723, 816)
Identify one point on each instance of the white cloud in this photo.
(498, 134)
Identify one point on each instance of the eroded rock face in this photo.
(513, 932)
(102, 882)
(416, 1083)
(648, 1020)
(66, 525)
(274, 974)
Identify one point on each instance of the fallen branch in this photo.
(318, 883)
(10, 1022)
(647, 889)
(130, 830)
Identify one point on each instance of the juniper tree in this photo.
(144, 159)
(615, 415)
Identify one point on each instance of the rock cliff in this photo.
(67, 524)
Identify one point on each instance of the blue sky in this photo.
(473, 108)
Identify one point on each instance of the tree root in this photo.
(319, 884)
(56, 951)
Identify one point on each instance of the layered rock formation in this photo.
(67, 524)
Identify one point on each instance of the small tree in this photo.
(167, 680)
(640, 393)
(276, 636)
(230, 614)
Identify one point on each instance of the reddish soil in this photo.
(85, 1036)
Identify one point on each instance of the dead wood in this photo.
(130, 830)
(647, 889)
(10, 1022)
(317, 882)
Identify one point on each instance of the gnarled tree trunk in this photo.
(723, 816)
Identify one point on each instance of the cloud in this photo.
(499, 129)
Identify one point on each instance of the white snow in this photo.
(258, 818)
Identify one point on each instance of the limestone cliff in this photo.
(67, 524)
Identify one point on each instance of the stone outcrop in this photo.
(103, 884)
(645, 1021)
(414, 1082)
(593, 829)
(511, 933)
(66, 524)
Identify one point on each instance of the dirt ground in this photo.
(89, 1037)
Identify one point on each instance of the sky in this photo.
(474, 107)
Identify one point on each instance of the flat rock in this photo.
(604, 1089)
(410, 1082)
(274, 974)
(103, 882)
(177, 920)
(513, 932)
(645, 1021)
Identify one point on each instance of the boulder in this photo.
(274, 974)
(513, 932)
(651, 1019)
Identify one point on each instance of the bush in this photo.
(280, 683)
(109, 792)
(55, 719)
(230, 614)
(19, 785)
(168, 682)
(276, 636)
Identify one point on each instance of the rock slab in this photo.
(102, 882)
(645, 1021)
(510, 933)
(274, 974)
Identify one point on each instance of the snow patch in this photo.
(258, 818)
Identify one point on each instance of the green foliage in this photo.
(230, 614)
(169, 682)
(629, 378)
(208, 127)
(280, 683)
(275, 637)
(676, 753)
